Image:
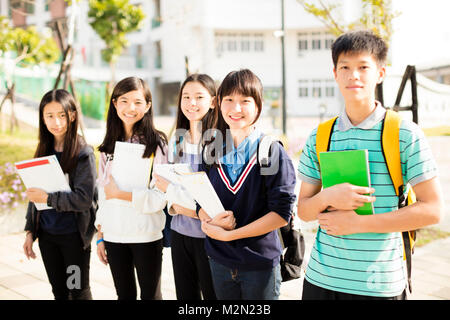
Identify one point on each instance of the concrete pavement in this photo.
(22, 279)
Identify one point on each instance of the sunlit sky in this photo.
(421, 33)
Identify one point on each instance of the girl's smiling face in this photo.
(238, 111)
(131, 107)
(195, 101)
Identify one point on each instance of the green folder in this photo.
(347, 166)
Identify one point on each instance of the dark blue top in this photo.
(55, 222)
(250, 197)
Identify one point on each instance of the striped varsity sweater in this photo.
(250, 197)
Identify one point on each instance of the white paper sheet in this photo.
(171, 172)
(44, 173)
(129, 169)
(201, 189)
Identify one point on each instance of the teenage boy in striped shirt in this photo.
(356, 256)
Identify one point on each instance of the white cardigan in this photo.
(138, 221)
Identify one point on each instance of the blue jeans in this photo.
(234, 284)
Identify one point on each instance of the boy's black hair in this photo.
(360, 41)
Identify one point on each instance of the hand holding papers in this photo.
(201, 189)
(196, 183)
(44, 173)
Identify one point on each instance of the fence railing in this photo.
(91, 94)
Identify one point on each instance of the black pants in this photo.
(313, 292)
(146, 257)
(191, 270)
(66, 264)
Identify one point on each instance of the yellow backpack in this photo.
(390, 145)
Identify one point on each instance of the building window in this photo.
(328, 43)
(316, 40)
(243, 42)
(329, 91)
(316, 89)
(303, 88)
(231, 43)
(220, 43)
(158, 56)
(302, 45)
(156, 19)
(329, 88)
(259, 42)
(139, 57)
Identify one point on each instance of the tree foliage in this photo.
(28, 45)
(5, 35)
(33, 47)
(112, 20)
(377, 16)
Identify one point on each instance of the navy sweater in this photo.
(251, 197)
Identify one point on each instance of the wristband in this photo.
(100, 240)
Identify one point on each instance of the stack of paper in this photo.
(44, 173)
(129, 169)
(171, 172)
(196, 183)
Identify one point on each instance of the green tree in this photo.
(29, 47)
(32, 47)
(5, 35)
(377, 16)
(112, 20)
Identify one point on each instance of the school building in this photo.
(217, 36)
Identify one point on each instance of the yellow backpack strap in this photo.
(151, 168)
(323, 136)
(390, 144)
(391, 151)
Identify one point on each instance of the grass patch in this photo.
(427, 235)
(437, 131)
(17, 146)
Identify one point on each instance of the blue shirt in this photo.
(235, 160)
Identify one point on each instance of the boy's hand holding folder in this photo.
(346, 180)
(346, 183)
(345, 196)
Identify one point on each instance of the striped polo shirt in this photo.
(369, 264)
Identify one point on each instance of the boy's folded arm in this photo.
(426, 211)
(311, 201)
